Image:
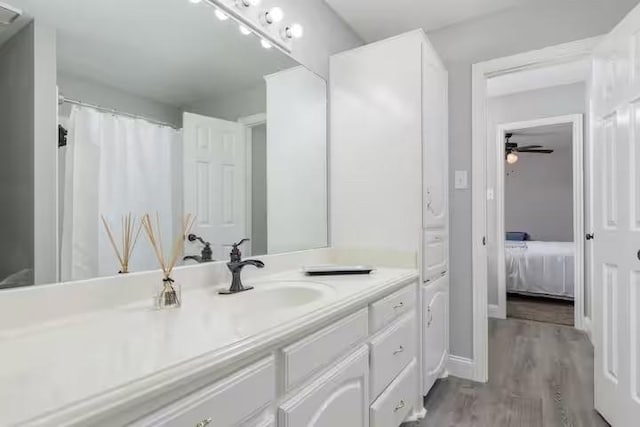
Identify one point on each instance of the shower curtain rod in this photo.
(62, 100)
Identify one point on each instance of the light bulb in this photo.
(195, 1)
(221, 15)
(297, 31)
(244, 30)
(274, 15)
(512, 158)
(266, 44)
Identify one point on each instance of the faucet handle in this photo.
(235, 254)
(235, 245)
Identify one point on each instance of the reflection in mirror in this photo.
(119, 107)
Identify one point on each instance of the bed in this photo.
(540, 268)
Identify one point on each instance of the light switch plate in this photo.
(462, 180)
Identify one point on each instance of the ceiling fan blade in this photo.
(528, 147)
(536, 151)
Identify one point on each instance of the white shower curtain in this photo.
(115, 165)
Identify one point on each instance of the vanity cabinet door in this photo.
(435, 150)
(338, 398)
(435, 326)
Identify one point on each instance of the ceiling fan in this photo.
(512, 149)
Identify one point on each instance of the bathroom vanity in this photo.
(232, 132)
(295, 351)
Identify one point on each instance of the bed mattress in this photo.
(541, 268)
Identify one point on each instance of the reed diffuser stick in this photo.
(168, 296)
(129, 234)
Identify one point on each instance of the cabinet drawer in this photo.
(226, 403)
(384, 311)
(394, 405)
(436, 255)
(320, 349)
(391, 352)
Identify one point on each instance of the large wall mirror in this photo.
(131, 107)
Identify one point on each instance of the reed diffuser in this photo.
(169, 295)
(129, 237)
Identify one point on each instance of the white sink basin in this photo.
(270, 296)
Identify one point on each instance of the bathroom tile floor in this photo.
(540, 375)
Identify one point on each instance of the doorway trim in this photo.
(481, 72)
(250, 122)
(577, 123)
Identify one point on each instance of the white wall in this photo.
(234, 105)
(296, 161)
(535, 104)
(514, 31)
(539, 194)
(84, 90)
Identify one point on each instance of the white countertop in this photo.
(64, 370)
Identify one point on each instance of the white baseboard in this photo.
(494, 311)
(461, 367)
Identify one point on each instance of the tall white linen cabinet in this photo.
(389, 170)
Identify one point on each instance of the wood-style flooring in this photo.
(540, 375)
(540, 309)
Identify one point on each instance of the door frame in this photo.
(481, 72)
(250, 122)
(577, 123)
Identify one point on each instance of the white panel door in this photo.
(614, 97)
(435, 319)
(338, 398)
(435, 152)
(215, 172)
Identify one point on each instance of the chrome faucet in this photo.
(235, 265)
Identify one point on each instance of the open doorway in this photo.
(540, 217)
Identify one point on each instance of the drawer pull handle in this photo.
(399, 305)
(399, 406)
(399, 350)
(205, 422)
(430, 316)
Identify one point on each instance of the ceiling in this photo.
(376, 19)
(551, 136)
(539, 78)
(172, 51)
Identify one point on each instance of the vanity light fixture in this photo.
(272, 16)
(244, 30)
(266, 44)
(512, 158)
(221, 15)
(295, 31)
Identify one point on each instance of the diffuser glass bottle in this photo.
(169, 293)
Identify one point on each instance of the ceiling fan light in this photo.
(512, 158)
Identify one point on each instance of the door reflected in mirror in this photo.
(162, 110)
